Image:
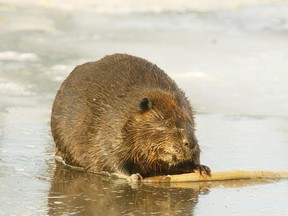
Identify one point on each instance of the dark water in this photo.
(232, 63)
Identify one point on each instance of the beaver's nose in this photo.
(190, 144)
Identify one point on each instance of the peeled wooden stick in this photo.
(219, 176)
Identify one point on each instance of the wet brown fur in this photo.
(123, 114)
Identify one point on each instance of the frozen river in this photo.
(230, 58)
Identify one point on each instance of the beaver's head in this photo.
(160, 133)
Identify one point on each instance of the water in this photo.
(230, 59)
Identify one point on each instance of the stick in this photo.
(219, 176)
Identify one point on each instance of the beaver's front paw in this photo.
(203, 169)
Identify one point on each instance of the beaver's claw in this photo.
(203, 169)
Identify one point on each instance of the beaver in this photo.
(122, 114)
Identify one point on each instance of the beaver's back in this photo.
(95, 101)
(117, 75)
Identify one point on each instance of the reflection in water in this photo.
(77, 192)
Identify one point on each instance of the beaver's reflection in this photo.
(76, 192)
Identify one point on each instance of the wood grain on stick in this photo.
(219, 176)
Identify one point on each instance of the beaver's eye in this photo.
(169, 124)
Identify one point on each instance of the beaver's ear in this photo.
(145, 104)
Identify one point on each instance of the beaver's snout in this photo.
(189, 143)
(189, 140)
